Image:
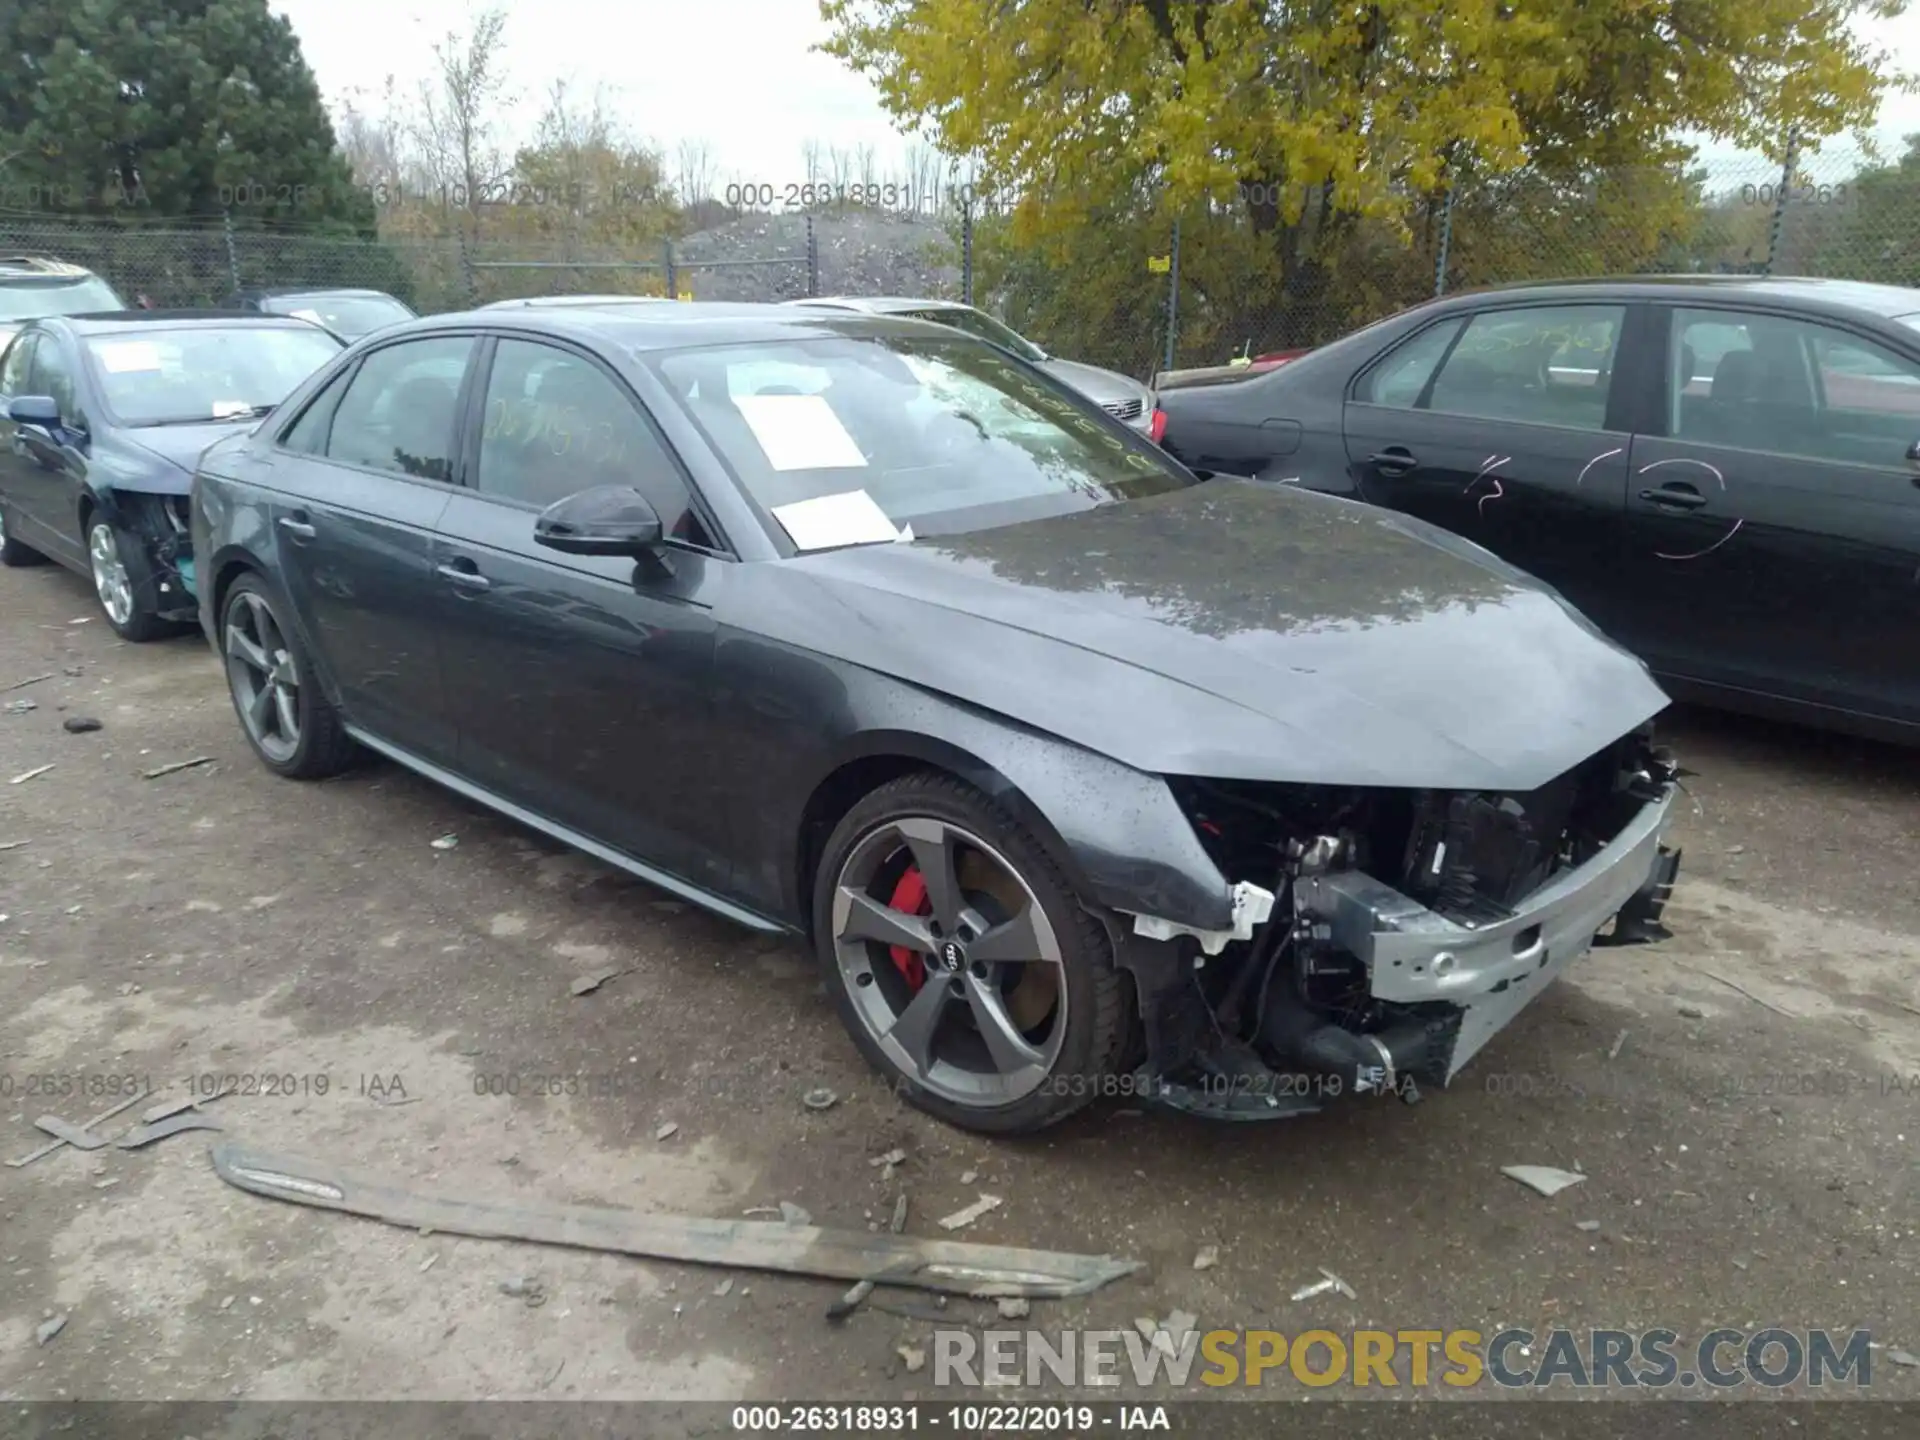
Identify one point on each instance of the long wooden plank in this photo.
(955, 1267)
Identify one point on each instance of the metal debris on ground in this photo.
(445, 842)
(77, 1136)
(15, 844)
(967, 1177)
(428, 1263)
(525, 1287)
(820, 1098)
(100, 1119)
(854, 1298)
(49, 1328)
(80, 725)
(1546, 1179)
(723, 1289)
(1327, 1281)
(19, 707)
(792, 1214)
(913, 1357)
(146, 1134)
(1208, 1257)
(1014, 1307)
(177, 766)
(22, 684)
(1166, 1335)
(1587, 1225)
(944, 1266)
(666, 1131)
(886, 1164)
(1618, 1041)
(587, 984)
(29, 775)
(960, 1219)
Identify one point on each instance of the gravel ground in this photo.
(219, 921)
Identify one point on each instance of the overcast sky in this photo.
(740, 74)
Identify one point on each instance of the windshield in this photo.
(188, 375)
(29, 300)
(975, 322)
(350, 316)
(856, 439)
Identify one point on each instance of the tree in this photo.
(457, 129)
(175, 108)
(1312, 118)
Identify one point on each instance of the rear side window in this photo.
(1399, 378)
(398, 412)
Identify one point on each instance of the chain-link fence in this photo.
(1138, 290)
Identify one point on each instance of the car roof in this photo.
(40, 269)
(879, 304)
(678, 325)
(283, 292)
(567, 302)
(1887, 301)
(108, 322)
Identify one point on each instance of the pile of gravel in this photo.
(860, 253)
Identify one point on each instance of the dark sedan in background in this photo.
(101, 420)
(347, 313)
(1722, 472)
(867, 630)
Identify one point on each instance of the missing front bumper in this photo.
(1487, 973)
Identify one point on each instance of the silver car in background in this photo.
(1121, 397)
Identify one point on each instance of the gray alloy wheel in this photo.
(263, 677)
(111, 581)
(950, 961)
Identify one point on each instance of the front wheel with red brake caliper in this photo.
(961, 960)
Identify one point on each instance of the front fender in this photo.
(1117, 831)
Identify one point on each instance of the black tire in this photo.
(1095, 1027)
(141, 622)
(13, 554)
(322, 747)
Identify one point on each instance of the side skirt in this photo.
(705, 899)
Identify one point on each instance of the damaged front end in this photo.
(162, 525)
(1382, 937)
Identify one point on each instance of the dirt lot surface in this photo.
(219, 921)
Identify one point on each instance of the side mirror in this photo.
(40, 410)
(607, 520)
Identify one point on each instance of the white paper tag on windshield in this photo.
(852, 518)
(120, 357)
(227, 409)
(800, 432)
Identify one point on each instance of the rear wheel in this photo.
(12, 552)
(289, 721)
(961, 960)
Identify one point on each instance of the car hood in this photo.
(1235, 630)
(181, 446)
(1104, 387)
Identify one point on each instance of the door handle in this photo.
(1675, 497)
(462, 576)
(1394, 460)
(299, 529)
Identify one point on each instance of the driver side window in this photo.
(14, 370)
(52, 374)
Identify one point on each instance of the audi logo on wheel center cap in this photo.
(953, 955)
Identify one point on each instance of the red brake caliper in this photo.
(910, 897)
